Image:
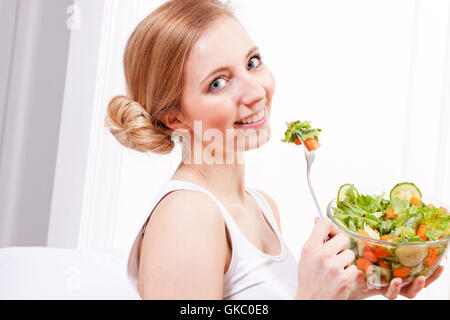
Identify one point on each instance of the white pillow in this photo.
(40, 273)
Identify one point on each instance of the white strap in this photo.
(267, 209)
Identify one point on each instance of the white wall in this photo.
(8, 12)
(373, 75)
(33, 58)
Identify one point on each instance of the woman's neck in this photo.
(226, 181)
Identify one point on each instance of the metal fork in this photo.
(310, 156)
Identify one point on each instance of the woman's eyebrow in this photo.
(252, 51)
(221, 69)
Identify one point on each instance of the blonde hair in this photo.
(154, 63)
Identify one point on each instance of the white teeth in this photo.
(255, 118)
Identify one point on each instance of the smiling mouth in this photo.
(252, 119)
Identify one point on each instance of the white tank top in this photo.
(252, 274)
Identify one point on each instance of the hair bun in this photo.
(131, 125)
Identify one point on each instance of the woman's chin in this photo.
(257, 141)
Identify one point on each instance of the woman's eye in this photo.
(217, 84)
(254, 62)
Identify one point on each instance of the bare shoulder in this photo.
(184, 251)
(185, 213)
(189, 206)
(273, 206)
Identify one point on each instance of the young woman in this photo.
(191, 67)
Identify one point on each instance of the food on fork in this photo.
(299, 132)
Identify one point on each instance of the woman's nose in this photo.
(252, 92)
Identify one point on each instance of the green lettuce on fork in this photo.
(299, 132)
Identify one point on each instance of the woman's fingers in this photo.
(436, 274)
(346, 258)
(337, 244)
(411, 290)
(394, 289)
(322, 229)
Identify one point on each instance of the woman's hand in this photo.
(325, 269)
(360, 289)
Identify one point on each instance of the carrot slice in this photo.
(363, 264)
(415, 201)
(438, 215)
(298, 141)
(431, 261)
(402, 272)
(363, 233)
(383, 264)
(421, 231)
(391, 214)
(433, 252)
(312, 144)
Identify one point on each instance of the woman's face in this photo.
(225, 83)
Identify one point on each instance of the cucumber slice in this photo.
(342, 193)
(411, 256)
(405, 191)
(417, 269)
(386, 274)
(395, 265)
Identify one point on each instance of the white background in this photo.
(374, 75)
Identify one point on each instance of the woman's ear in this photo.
(173, 119)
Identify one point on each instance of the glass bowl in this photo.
(381, 261)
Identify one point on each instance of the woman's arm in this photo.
(325, 269)
(184, 251)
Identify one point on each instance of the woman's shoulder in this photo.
(190, 205)
(273, 206)
(184, 242)
(185, 217)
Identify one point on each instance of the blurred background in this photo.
(374, 75)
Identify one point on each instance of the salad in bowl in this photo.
(404, 235)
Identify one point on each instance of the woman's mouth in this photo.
(252, 122)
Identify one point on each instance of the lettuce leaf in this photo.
(300, 130)
(359, 210)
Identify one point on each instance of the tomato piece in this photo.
(312, 144)
(381, 252)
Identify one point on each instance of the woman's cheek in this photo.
(269, 84)
(220, 118)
